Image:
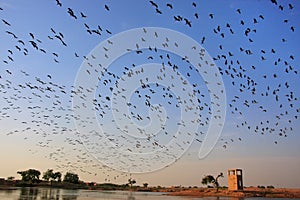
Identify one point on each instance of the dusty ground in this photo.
(247, 192)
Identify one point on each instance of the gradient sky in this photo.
(267, 159)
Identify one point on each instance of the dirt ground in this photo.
(247, 192)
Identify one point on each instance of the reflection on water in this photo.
(222, 198)
(28, 194)
(62, 194)
(52, 194)
(130, 196)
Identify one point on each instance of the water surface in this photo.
(64, 194)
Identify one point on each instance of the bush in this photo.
(270, 187)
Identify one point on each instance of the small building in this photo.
(235, 179)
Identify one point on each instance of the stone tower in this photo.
(235, 179)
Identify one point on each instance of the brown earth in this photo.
(247, 192)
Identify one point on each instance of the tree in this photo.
(71, 178)
(30, 175)
(50, 175)
(57, 175)
(208, 179)
(145, 185)
(131, 182)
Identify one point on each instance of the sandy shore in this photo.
(247, 192)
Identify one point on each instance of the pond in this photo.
(65, 194)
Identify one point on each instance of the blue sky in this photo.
(250, 140)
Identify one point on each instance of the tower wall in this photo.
(235, 179)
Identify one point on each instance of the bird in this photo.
(10, 58)
(169, 5)
(202, 40)
(31, 35)
(274, 2)
(261, 16)
(34, 44)
(53, 31)
(83, 15)
(158, 11)
(280, 7)
(21, 41)
(187, 22)
(153, 4)
(177, 18)
(11, 33)
(106, 7)
(6, 22)
(58, 3)
(71, 13)
(292, 28)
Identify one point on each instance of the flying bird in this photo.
(83, 15)
(71, 13)
(58, 3)
(187, 22)
(153, 4)
(6, 22)
(169, 5)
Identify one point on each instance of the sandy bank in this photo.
(247, 192)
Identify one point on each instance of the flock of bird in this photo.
(41, 108)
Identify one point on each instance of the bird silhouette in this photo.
(169, 5)
(71, 13)
(153, 4)
(6, 22)
(83, 15)
(58, 3)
